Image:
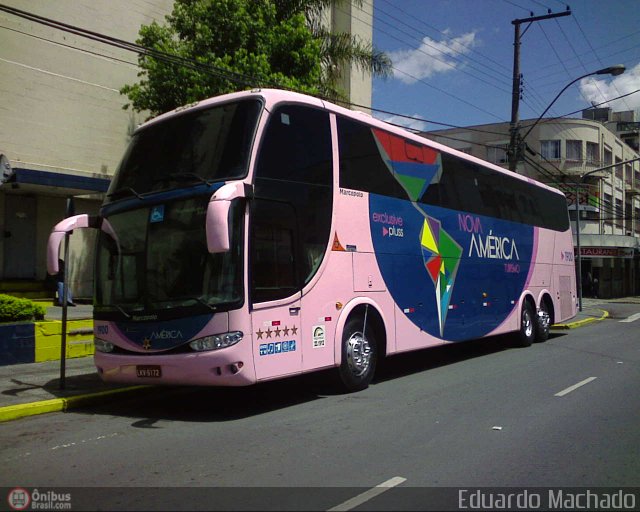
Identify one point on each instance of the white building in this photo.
(561, 152)
(63, 128)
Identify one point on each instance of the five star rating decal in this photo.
(275, 333)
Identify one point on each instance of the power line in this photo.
(469, 48)
(173, 59)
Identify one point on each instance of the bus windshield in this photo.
(204, 145)
(155, 259)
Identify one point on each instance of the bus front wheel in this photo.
(359, 355)
(527, 332)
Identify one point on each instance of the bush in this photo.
(13, 309)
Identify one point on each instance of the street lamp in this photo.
(516, 141)
(579, 256)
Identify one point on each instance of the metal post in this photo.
(65, 295)
(514, 143)
(65, 298)
(578, 257)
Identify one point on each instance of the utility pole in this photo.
(515, 143)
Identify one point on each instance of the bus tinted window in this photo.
(297, 147)
(362, 166)
(211, 144)
(466, 186)
(273, 269)
(294, 177)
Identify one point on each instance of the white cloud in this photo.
(412, 122)
(431, 57)
(597, 90)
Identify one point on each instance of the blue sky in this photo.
(453, 59)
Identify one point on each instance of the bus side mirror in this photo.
(58, 233)
(217, 222)
(218, 226)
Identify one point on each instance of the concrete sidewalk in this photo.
(30, 389)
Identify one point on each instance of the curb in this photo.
(14, 412)
(581, 323)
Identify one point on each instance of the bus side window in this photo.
(294, 170)
(273, 261)
(362, 166)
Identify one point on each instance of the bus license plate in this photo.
(149, 371)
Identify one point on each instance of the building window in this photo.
(608, 208)
(619, 168)
(593, 152)
(619, 214)
(550, 149)
(608, 157)
(628, 175)
(497, 154)
(574, 150)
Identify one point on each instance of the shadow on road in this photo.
(198, 404)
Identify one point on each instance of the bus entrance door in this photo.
(277, 350)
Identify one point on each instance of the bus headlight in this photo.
(216, 341)
(103, 345)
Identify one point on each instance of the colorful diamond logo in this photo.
(441, 255)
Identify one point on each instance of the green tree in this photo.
(211, 47)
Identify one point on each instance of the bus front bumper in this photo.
(216, 368)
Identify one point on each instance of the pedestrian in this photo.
(596, 283)
(587, 285)
(60, 286)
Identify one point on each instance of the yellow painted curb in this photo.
(581, 323)
(14, 412)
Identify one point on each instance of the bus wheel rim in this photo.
(358, 354)
(527, 323)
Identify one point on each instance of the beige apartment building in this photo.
(63, 129)
(566, 153)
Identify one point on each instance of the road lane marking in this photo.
(575, 386)
(368, 495)
(632, 318)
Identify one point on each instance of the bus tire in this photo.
(543, 321)
(527, 332)
(359, 355)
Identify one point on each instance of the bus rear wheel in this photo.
(359, 355)
(527, 332)
(543, 321)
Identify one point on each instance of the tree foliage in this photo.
(211, 47)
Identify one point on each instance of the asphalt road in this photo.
(480, 414)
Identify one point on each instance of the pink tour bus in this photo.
(265, 234)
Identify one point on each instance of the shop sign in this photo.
(606, 252)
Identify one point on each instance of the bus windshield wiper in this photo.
(188, 176)
(202, 301)
(122, 310)
(125, 191)
(181, 299)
